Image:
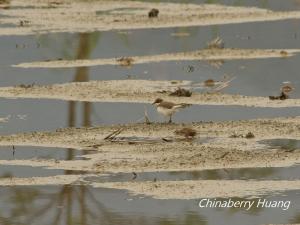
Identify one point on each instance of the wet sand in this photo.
(125, 155)
(205, 54)
(77, 16)
(169, 158)
(81, 138)
(137, 91)
(187, 189)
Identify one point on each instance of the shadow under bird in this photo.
(168, 108)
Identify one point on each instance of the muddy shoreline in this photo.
(204, 54)
(222, 151)
(187, 189)
(137, 91)
(203, 189)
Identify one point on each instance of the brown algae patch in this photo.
(190, 189)
(204, 54)
(177, 155)
(89, 16)
(137, 91)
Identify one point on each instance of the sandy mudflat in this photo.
(137, 91)
(205, 54)
(40, 16)
(218, 152)
(82, 138)
(203, 189)
(167, 158)
(187, 189)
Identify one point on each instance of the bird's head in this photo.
(157, 101)
(287, 88)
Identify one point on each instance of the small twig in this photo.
(125, 140)
(226, 170)
(216, 43)
(223, 156)
(113, 134)
(134, 175)
(223, 85)
(290, 150)
(167, 140)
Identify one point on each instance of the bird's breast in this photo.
(165, 111)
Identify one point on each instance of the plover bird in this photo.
(168, 108)
(285, 90)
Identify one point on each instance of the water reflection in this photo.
(69, 205)
(32, 152)
(74, 205)
(86, 44)
(229, 174)
(61, 203)
(286, 173)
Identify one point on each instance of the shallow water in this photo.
(85, 205)
(41, 115)
(30, 152)
(290, 173)
(27, 171)
(70, 204)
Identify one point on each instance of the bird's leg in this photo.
(170, 120)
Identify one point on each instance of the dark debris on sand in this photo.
(153, 13)
(181, 92)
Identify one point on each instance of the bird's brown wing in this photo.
(167, 105)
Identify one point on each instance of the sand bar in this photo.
(218, 152)
(187, 189)
(204, 54)
(42, 16)
(203, 189)
(137, 91)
